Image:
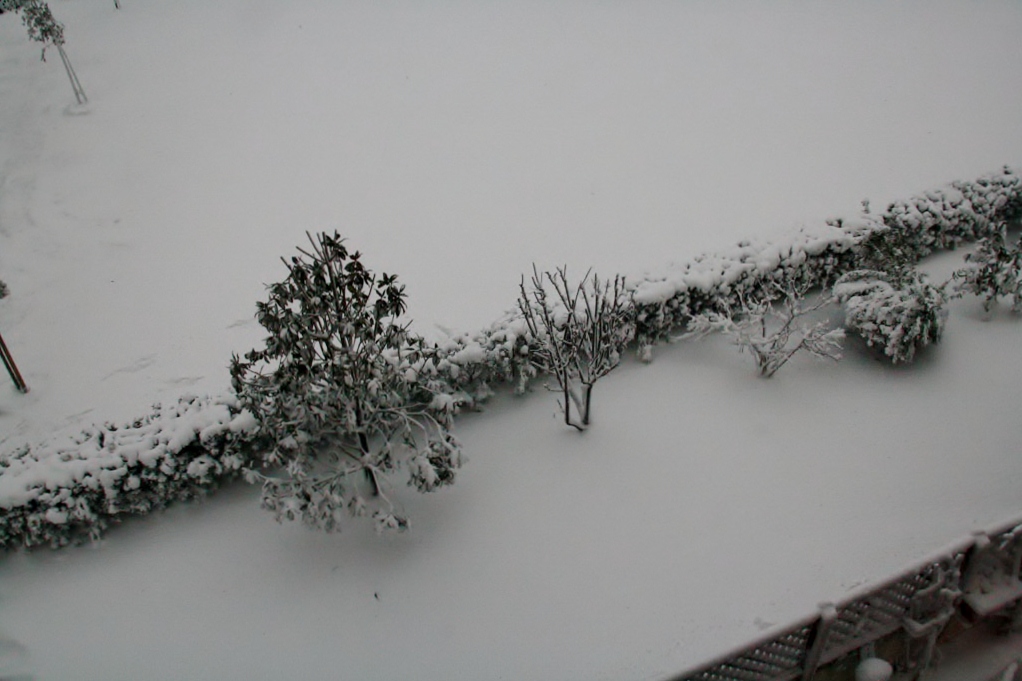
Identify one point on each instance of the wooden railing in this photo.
(970, 580)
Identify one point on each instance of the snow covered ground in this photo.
(455, 145)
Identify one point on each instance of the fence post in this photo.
(818, 640)
(12, 368)
(973, 559)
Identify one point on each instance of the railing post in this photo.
(973, 559)
(818, 640)
(12, 368)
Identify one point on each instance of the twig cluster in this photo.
(772, 329)
(579, 331)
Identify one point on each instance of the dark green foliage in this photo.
(343, 393)
(888, 250)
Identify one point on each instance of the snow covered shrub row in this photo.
(907, 231)
(64, 494)
(816, 255)
(751, 270)
(55, 496)
(896, 314)
(942, 219)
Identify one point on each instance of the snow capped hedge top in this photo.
(107, 457)
(755, 257)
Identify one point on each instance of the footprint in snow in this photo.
(135, 367)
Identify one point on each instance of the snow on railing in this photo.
(900, 618)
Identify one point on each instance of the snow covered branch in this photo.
(772, 329)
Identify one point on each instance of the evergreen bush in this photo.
(344, 393)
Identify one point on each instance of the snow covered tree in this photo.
(3, 289)
(44, 28)
(39, 21)
(342, 393)
(579, 333)
(899, 314)
(772, 328)
(994, 270)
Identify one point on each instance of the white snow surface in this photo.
(456, 144)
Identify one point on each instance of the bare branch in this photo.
(772, 333)
(577, 334)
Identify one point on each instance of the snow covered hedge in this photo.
(57, 495)
(938, 219)
(61, 495)
(819, 255)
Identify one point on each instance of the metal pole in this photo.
(72, 76)
(12, 368)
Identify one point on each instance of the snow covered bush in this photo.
(578, 336)
(993, 270)
(343, 393)
(67, 493)
(772, 328)
(4, 291)
(908, 230)
(896, 314)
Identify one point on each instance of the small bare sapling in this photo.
(579, 333)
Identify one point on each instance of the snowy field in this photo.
(456, 144)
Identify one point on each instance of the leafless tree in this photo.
(579, 331)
